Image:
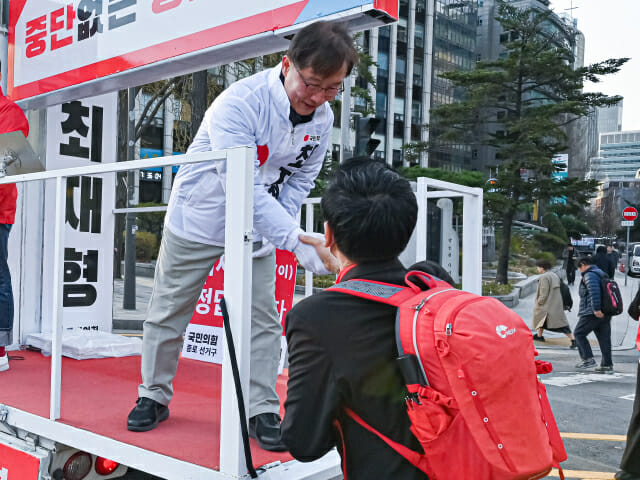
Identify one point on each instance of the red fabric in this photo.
(97, 396)
(478, 352)
(638, 338)
(11, 120)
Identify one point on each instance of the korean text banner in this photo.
(81, 133)
(55, 44)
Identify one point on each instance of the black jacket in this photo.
(342, 352)
(604, 262)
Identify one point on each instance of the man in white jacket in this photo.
(284, 111)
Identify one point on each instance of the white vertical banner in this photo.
(81, 133)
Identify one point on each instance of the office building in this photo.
(619, 157)
(430, 37)
(610, 118)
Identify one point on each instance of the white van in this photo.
(634, 260)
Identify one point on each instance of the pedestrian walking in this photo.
(604, 262)
(548, 313)
(569, 265)
(591, 318)
(614, 256)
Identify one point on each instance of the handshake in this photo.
(313, 255)
(311, 252)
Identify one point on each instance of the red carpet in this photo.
(97, 395)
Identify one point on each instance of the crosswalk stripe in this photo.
(582, 475)
(594, 436)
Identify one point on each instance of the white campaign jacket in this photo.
(252, 111)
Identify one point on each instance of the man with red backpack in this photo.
(464, 358)
(592, 319)
(11, 119)
(342, 350)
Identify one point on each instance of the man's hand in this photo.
(598, 313)
(316, 240)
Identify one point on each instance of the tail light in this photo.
(77, 466)
(105, 466)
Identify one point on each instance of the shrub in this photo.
(545, 256)
(146, 246)
(493, 288)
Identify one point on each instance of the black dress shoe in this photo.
(265, 428)
(146, 415)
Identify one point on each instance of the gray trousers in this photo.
(181, 270)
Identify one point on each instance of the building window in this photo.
(419, 36)
(416, 113)
(401, 70)
(417, 74)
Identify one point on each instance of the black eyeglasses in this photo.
(315, 89)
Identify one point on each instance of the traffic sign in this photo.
(626, 223)
(630, 213)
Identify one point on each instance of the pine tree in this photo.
(520, 105)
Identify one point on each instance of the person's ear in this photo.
(328, 236)
(286, 65)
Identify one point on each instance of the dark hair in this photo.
(323, 46)
(371, 210)
(601, 249)
(545, 264)
(585, 261)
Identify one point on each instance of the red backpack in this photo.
(475, 403)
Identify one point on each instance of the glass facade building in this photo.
(430, 37)
(619, 156)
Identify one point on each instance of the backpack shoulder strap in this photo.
(414, 458)
(377, 291)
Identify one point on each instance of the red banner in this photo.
(207, 311)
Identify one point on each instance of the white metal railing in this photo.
(471, 231)
(238, 244)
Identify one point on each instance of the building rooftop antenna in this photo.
(571, 9)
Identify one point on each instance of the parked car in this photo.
(634, 260)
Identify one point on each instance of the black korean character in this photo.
(78, 295)
(117, 21)
(73, 268)
(90, 204)
(86, 27)
(75, 123)
(191, 336)
(198, 337)
(305, 152)
(214, 340)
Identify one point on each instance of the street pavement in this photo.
(592, 410)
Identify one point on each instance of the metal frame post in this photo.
(308, 274)
(237, 291)
(58, 271)
(472, 241)
(421, 225)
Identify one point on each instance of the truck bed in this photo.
(97, 396)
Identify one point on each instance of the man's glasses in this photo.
(315, 89)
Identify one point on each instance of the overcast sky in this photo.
(610, 27)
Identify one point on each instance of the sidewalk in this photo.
(623, 328)
(131, 320)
